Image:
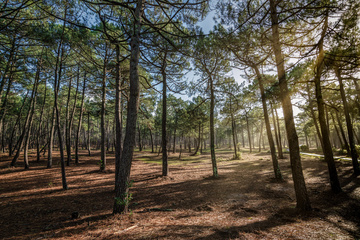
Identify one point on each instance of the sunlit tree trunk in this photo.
(302, 197)
(354, 154)
(327, 149)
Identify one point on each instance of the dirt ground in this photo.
(243, 203)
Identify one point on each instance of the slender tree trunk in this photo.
(327, 149)
(198, 140)
(139, 138)
(313, 115)
(67, 125)
(165, 166)
(40, 126)
(51, 139)
(26, 127)
(302, 197)
(102, 124)
(337, 130)
(275, 162)
(122, 197)
(233, 130)
(57, 78)
(260, 134)
(212, 129)
(80, 122)
(174, 138)
(32, 108)
(354, 154)
(151, 140)
(118, 132)
(248, 131)
(346, 144)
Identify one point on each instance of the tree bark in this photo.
(212, 129)
(118, 131)
(165, 166)
(80, 122)
(275, 162)
(302, 197)
(354, 154)
(327, 149)
(102, 124)
(248, 131)
(122, 197)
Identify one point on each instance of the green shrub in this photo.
(304, 148)
(237, 156)
(357, 148)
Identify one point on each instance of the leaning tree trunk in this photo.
(275, 162)
(327, 149)
(122, 196)
(346, 144)
(302, 198)
(32, 108)
(354, 154)
(25, 127)
(71, 117)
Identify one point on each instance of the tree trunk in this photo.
(337, 130)
(346, 144)
(139, 138)
(165, 167)
(302, 197)
(151, 140)
(248, 131)
(313, 115)
(26, 127)
(118, 132)
(32, 108)
(327, 149)
(103, 99)
(122, 196)
(354, 154)
(174, 138)
(40, 126)
(51, 139)
(67, 125)
(88, 132)
(80, 122)
(233, 130)
(212, 129)
(275, 162)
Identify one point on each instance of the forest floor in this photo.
(245, 202)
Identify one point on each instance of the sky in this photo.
(207, 25)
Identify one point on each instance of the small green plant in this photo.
(50, 184)
(357, 148)
(304, 148)
(125, 199)
(237, 156)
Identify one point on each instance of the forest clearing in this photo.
(244, 202)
